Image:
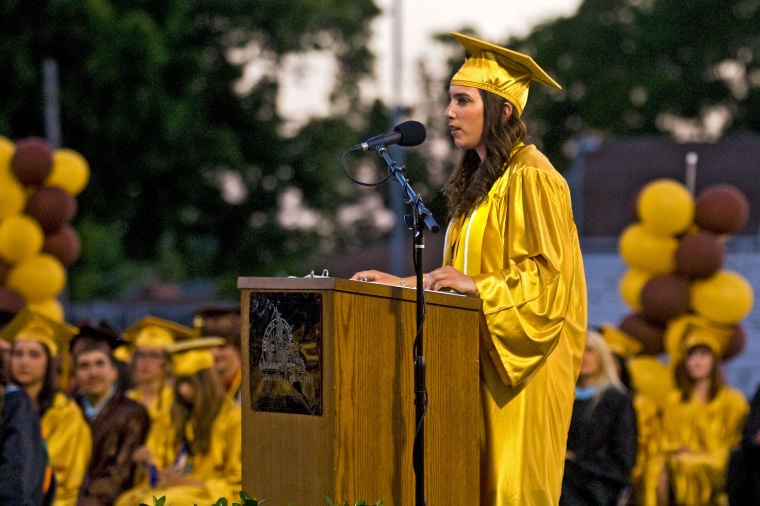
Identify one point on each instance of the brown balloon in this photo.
(722, 209)
(736, 343)
(700, 255)
(11, 300)
(649, 335)
(4, 268)
(32, 161)
(64, 244)
(52, 207)
(664, 297)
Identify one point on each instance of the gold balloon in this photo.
(38, 278)
(6, 153)
(725, 297)
(630, 286)
(643, 250)
(21, 237)
(70, 171)
(52, 308)
(12, 195)
(651, 377)
(665, 207)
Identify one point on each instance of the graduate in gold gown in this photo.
(702, 422)
(37, 341)
(512, 241)
(224, 322)
(207, 437)
(648, 420)
(153, 387)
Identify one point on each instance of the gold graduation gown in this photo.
(220, 469)
(69, 445)
(160, 440)
(648, 428)
(708, 431)
(521, 246)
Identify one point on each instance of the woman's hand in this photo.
(142, 455)
(382, 277)
(172, 478)
(448, 278)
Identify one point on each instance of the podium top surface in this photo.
(317, 283)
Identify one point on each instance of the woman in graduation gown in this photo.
(207, 439)
(702, 420)
(37, 341)
(512, 241)
(153, 386)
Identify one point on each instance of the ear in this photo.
(507, 110)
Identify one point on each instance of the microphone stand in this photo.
(422, 218)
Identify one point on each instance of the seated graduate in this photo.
(37, 341)
(119, 425)
(602, 442)
(744, 467)
(153, 384)
(207, 440)
(224, 322)
(23, 460)
(702, 420)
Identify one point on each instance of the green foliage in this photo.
(147, 95)
(247, 500)
(361, 502)
(624, 64)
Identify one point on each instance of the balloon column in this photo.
(675, 277)
(38, 189)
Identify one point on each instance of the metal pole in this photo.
(396, 197)
(50, 94)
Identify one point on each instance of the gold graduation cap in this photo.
(31, 325)
(619, 342)
(499, 70)
(155, 332)
(704, 336)
(193, 355)
(689, 330)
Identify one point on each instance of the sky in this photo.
(493, 20)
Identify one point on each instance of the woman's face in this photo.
(149, 365)
(28, 362)
(700, 363)
(465, 115)
(185, 391)
(590, 363)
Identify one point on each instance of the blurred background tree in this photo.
(195, 173)
(188, 172)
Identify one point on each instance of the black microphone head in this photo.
(412, 133)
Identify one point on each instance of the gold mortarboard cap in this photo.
(499, 70)
(33, 326)
(155, 332)
(619, 342)
(703, 336)
(193, 355)
(690, 330)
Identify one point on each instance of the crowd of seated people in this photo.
(92, 416)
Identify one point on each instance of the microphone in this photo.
(408, 133)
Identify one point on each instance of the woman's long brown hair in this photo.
(686, 384)
(206, 406)
(471, 181)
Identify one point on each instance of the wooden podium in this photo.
(328, 400)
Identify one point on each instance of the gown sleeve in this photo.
(527, 300)
(69, 445)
